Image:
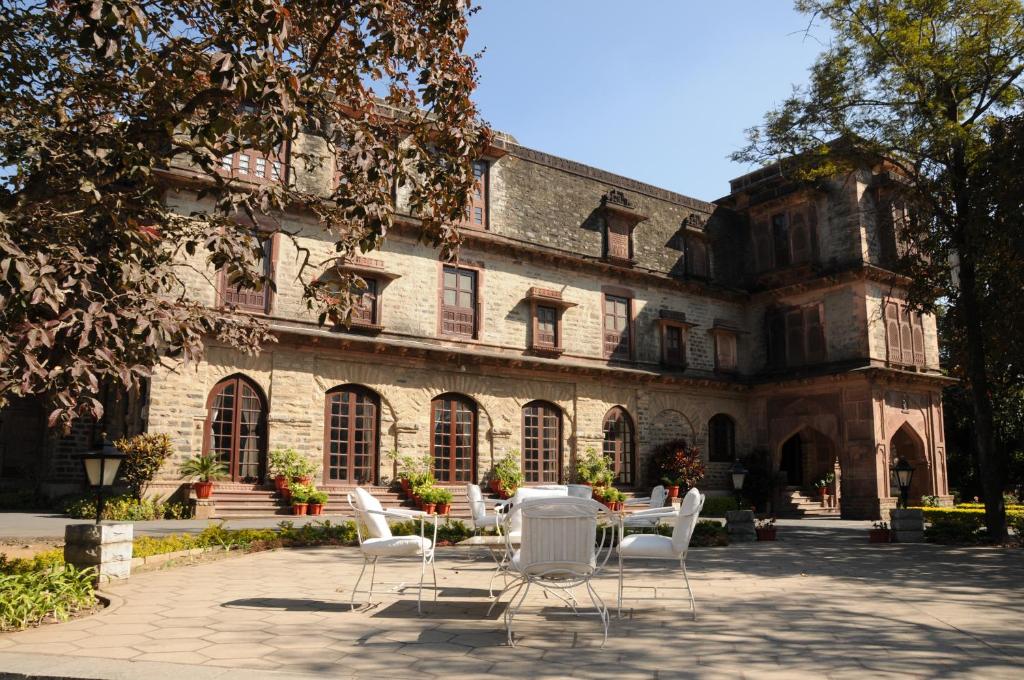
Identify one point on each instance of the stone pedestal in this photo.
(907, 526)
(740, 525)
(105, 547)
(203, 508)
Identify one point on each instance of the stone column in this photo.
(105, 547)
(740, 525)
(907, 525)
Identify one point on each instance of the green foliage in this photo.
(594, 468)
(203, 468)
(509, 473)
(126, 508)
(29, 597)
(319, 497)
(930, 501)
(955, 530)
(145, 454)
(301, 492)
(717, 506)
(678, 463)
(42, 561)
(706, 534)
(101, 99)
(285, 462)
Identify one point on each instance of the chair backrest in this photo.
(580, 490)
(658, 496)
(376, 524)
(476, 502)
(559, 537)
(524, 493)
(686, 520)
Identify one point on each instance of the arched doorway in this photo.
(542, 443)
(806, 457)
(236, 428)
(453, 438)
(620, 444)
(351, 435)
(792, 461)
(907, 444)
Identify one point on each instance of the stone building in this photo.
(585, 310)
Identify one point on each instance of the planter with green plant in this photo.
(300, 497)
(428, 499)
(765, 529)
(823, 487)
(593, 468)
(282, 464)
(443, 498)
(509, 474)
(303, 470)
(317, 500)
(204, 470)
(880, 533)
(676, 463)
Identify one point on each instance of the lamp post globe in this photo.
(739, 474)
(904, 472)
(101, 469)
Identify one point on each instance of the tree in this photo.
(104, 99)
(919, 87)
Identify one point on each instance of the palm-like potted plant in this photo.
(203, 469)
(316, 501)
(300, 497)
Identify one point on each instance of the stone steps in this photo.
(795, 504)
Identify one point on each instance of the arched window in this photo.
(619, 445)
(236, 428)
(351, 447)
(453, 438)
(542, 442)
(721, 439)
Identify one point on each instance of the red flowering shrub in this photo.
(677, 463)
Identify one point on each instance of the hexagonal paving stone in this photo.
(237, 636)
(242, 650)
(300, 641)
(172, 645)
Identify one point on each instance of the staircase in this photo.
(255, 500)
(794, 504)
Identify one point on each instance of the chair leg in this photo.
(512, 609)
(433, 570)
(355, 588)
(601, 609)
(619, 615)
(419, 593)
(693, 603)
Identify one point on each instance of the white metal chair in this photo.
(655, 547)
(378, 541)
(510, 525)
(655, 501)
(580, 490)
(559, 550)
(479, 519)
(653, 510)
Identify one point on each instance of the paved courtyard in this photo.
(819, 604)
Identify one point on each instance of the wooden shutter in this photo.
(795, 353)
(616, 327)
(892, 331)
(725, 351)
(547, 326)
(799, 238)
(250, 299)
(918, 332)
(675, 346)
(458, 302)
(763, 245)
(776, 324)
(364, 309)
(780, 240)
(815, 330)
(697, 258)
(906, 337)
(618, 239)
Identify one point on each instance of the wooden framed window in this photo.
(453, 439)
(351, 426)
(619, 241)
(477, 217)
(365, 310)
(780, 239)
(546, 327)
(674, 337)
(796, 336)
(697, 262)
(542, 443)
(785, 238)
(904, 331)
(459, 302)
(254, 166)
(721, 439)
(546, 308)
(236, 428)
(251, 299)
(618, 327)
(725, 351)
(619, 444)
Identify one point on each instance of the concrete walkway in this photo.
(838, 607)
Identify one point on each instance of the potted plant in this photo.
(303, 470)
(316, 502)
(205, 469)
(443, 498)
(671, 487)
(508, 474)
(300, 497)
(281, 463)
(880, 533)
(765, 529)
(429, 499)
(593, 468)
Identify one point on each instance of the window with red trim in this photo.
(617, 327)
(459, 302)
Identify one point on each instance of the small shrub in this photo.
(594, 468)
(126, 508)
(708, 534)
(952, 530)
(677, 463)
(43, 561)
(27, 598)
(930, 501)
(717, 506)
(145, 454)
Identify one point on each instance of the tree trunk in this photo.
(990, 460)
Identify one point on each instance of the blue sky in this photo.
(657, 90)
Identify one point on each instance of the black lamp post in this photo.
(101, 470)
(904, 472)
(739, 473)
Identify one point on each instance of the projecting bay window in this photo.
(904, 332)
(785, 238)
(366, 302)
(796, 336)
(546, 308)
(460, 302)
(477, 216)
(675, 334)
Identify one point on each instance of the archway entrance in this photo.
(906, 444)
(792, 462)
(806, 457)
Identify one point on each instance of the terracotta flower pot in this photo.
(767, 534)
(429, 508)
(444, 508)
(879, 536)
(304, 480)
(673, 492)
(315, 509)
(280, 483)
(286, 495)
(404, 483)
(203, 489)
(299, 508)
(495, 486)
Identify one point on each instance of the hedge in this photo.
(933, 514)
